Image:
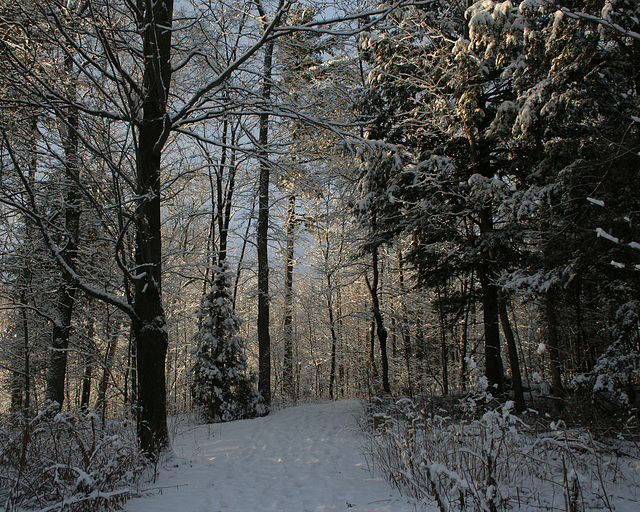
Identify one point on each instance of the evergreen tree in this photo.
(440, 177)
(222, 388)
(496, 139)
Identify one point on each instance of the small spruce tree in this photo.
(222, 387)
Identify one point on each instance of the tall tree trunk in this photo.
(243, 251)
(27, 367)
(464, 342)
(394, 334)
(212, 255)
(553, 343)
(219, 188)
(131, 375)
(481, 163)
(149, 325)
(264, 338)
(85, 393)
(444, 352)
(583, 354)
(334, 339)
(89, 361)
(493, 360)
(340, 329)
(17, 380)
(513, 355)
(404, 328)
(287, 371)
(228, 202)
(421, 348)
(57, 369)
(372, 367)
(21, 377)
(110, 355)
(377, 316)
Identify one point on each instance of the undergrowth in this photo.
(67, 462)
(478, 455)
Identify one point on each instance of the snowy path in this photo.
(300, 459)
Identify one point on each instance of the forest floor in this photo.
(306, 458)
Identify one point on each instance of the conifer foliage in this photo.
(222, 388)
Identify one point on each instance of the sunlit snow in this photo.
(300, 459)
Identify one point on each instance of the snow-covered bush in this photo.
(484, 458)
(222, 388)
(67, 462)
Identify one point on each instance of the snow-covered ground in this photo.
(300, 459)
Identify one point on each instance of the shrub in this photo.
(481, 457)
(67, 462)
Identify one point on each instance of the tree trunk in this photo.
(85, 393)
(373, 369)
(421, 348)
(287, 372)
(228, 201)
(243, 251)
(513, 355)
(17, 382)
(131, 375)
(334, 339)
(101, 401)
(264, 339)
(404, 328)
(377, 316)
(149, 325)
(493, 360)
(342, 384)
(481, 163)
(553, 343)
(464, 342)
(584, 357)
(89, 361)
(21, 378)
(57, 369)
(444, 353)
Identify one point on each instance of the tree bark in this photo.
(444, 352)
(373, 369)
(513, 355)
(467, 286)
(149, 325)
(493, 360)
(404, 328)
(85, 393)
(264, 338)
(57, 369)
(101, 401)
(481, 163)
(377, 316)
(287, 371)
(21, 378)
(553, 343)
(89, 361)
(228, 201)
(334, 339)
